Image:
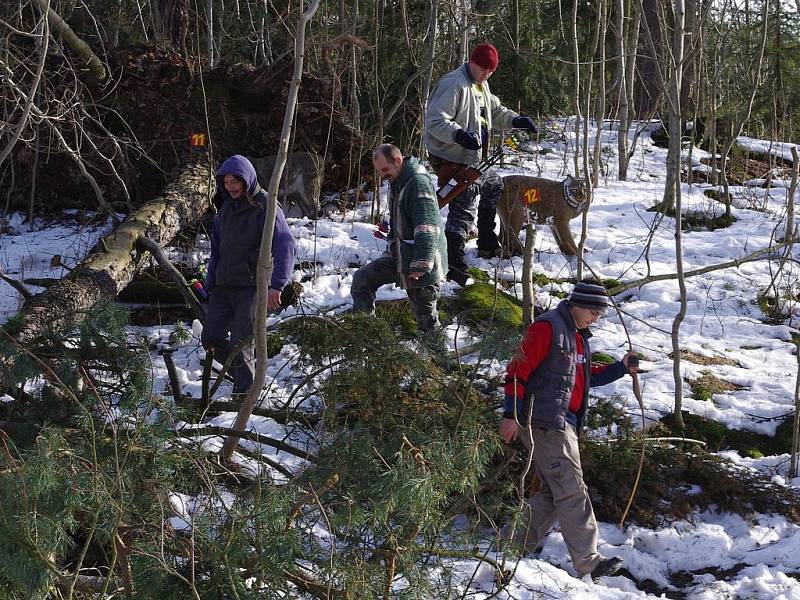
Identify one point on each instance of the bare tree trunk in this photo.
(115, 261)
(737, 130)
(789, 233)
(355, 108)
(516, 60)
(464, 47)
(673, 184)
(793, 466)
(210, 34)
(113, 38)
(622, 79)
(672, 193)
(528, 295)
(600, 108)
(265, 264)
(406, 34)
(576, 95)
(426, 86)
(34, 176)
(94, 71)
(792, 195)
(593, 174)
(651, 87)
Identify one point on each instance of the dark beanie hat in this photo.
(485, 56)
(589, 294)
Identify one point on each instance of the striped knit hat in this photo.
(589, 294)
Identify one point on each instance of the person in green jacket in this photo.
(416, 256)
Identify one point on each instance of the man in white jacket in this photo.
(460, 115)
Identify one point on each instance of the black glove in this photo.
(523, 123)
(468, 140)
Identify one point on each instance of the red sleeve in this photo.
(533, 350)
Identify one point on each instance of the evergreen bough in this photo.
(91, 466)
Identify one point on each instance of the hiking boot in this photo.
(460, 277)
(607, 567)
(489, 254)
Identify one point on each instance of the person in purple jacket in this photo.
(231, 278)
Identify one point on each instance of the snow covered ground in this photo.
(759, 558)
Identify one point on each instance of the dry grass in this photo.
(709, 384)
(699, 359)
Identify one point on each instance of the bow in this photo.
(637, 392)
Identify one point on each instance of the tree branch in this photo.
(93, 67)
(702, 271)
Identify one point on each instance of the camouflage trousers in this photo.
(383, 270)
(466, 208)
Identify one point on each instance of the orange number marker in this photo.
(531, 195)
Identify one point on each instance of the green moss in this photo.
(398, 314)
(483, 304)
(275, 342)
(478, 274)
(541, 280)
(603, 358)
(700, 391)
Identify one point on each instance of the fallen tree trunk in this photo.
(115, 260)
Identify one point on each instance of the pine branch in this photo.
(309, 496)
(247, 435)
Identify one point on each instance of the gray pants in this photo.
(370, 277)
(563, 496)
(231, 310)
(466, 209)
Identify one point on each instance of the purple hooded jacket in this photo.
(236, 234)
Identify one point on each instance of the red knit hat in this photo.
(485, 56)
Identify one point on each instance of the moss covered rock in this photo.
(484, 304)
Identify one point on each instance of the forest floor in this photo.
(736, 340)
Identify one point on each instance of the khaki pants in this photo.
(562, 496)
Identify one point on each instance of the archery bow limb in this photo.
(637, 392)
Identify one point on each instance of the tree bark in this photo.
(265, 264)
(426, 86)
(528, 295)
(651, 79)
(622, 79)
(576, 95)
(791, 196)
(116, 258)
(793, 466)
(93, 71)
(672, 192)
(745, 116)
